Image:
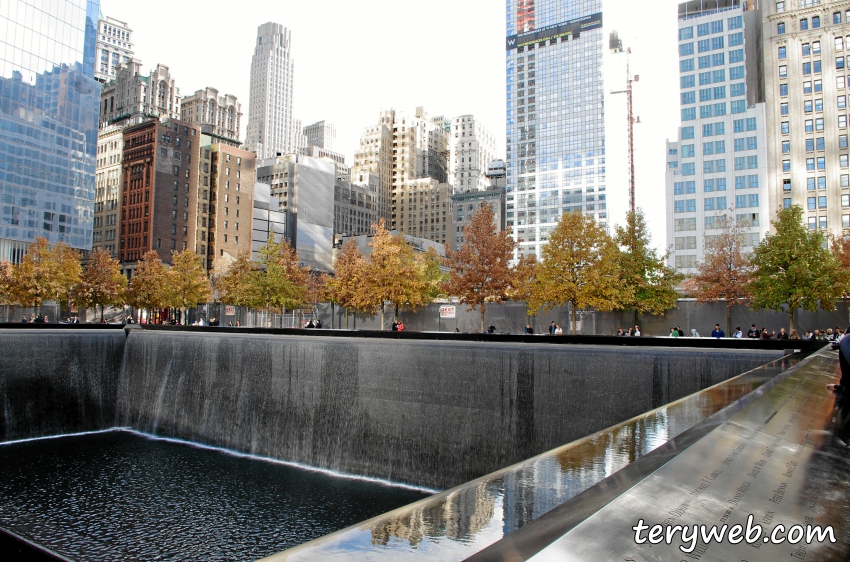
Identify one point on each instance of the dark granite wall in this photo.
(58, 381)
(424, 412)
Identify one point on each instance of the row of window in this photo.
(714, 166)
(714, 110)
(812, 125)
(716, 184)
(707, 61)
(719, 147)
(818, 163)
(716, 93)
(719, 128)
(815, 144)
(710, 28)
(718, 203)
(709, 77)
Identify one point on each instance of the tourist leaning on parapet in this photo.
(694, 333)
(674, 333)
(717, 332)
(738, 333)
(753, 333)
(844, 362)
(783, 335)
(794, 335)
(552, 328)
(765, 335)
(636, 333)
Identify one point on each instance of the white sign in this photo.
(447, 311)
(229, 310)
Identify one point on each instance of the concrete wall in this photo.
(58, 381)
(512, 317)
(429, 413)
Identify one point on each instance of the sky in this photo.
(354, 58)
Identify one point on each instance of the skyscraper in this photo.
(114, 48)
(48, 123)
(556, 123)
(717, 171)
(321, 134)
(472, 147)
(270, 119)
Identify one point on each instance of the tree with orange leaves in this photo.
(480, 271)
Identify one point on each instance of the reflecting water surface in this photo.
(457, 523)
(121, 496)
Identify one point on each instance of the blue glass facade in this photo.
(555, 116)
(48, 122)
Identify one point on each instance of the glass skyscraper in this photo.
(555, 116)
(48, 122)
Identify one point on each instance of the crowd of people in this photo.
(829, 334)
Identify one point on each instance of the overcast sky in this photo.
(356, 57)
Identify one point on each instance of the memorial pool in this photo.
(118, 495)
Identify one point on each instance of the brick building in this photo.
(160, 207)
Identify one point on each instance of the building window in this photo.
(784, 127)
(782, 53)
(783, 90)
(820, 143)
(780, 28)
(786, 166)
(687, 133)
(786, 147)
(783, 108)
(842, 141)
(815, 22)
(804, 24)
(780, 7)
(821, 163)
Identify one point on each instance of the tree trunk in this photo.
(346, 317)
(790, 319)
(573, 317)
(482, 317)
(729, 319)
(282, 312)
(101, 313)
(382, 316)
(637, 317)
(333, 318)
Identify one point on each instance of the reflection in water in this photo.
(481, 512)
(461, 514)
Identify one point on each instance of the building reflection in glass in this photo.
(48, 122)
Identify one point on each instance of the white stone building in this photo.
(133, 97)
(114, 47)
(321, 134)
(472, 147)
(219, 116)
(805, 49)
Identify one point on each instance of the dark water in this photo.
(121, 496)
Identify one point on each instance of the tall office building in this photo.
(805, 48)
(108, 189)
(48, 123)
(472, 147)
(114, 48)
(374, 159)
(717, 170)
(321, 134)
(270, 118)
(560, 73)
